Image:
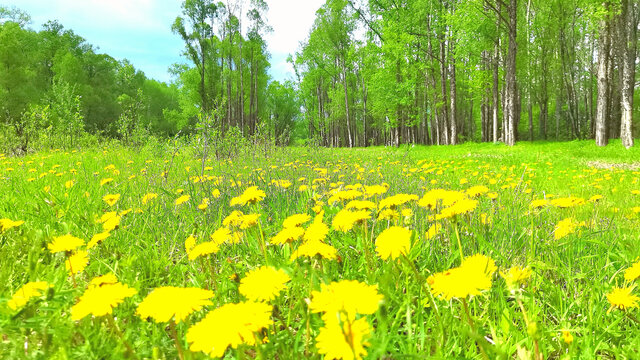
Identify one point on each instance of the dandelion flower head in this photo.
(263, 284)
(169, 302)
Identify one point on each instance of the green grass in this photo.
(567, 289)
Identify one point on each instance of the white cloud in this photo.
(291, 21)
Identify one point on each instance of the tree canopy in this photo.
(370, 72)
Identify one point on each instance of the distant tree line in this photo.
(55, 88)
(53, 83)
(229, 73)
(446, 71)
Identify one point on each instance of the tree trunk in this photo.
(630, 40)
(602, 110)
(443, 90)
(510, 76)
(543, 97)
(496, 100)
(364, 112)
(346, 102)
(452, 97)
(558, 114)
(530, 111)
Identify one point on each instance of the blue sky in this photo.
(140, 30)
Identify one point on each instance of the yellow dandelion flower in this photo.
(215, 193)
(27, 292)
(236, 237)
(440, 197)
(77, 262)
(317, 231)
(313, 248)
(287, 235)
(107, 279)
(6, 224)
(348, 297)
(229, 326)
(106, 216)
(361, 205)
(149, 197)
(111, 223)
(239, 220)
(539, 203)
(100, 300)
(105, 181)
(633, 272)
(595, 198)
(111, 199)
(343, 340)
(251, 195)
(64, 243)
(204, 204)
(460, 207)
(470, 278)
(234, 219)
(343, 195)
(263, 284)
(346, 219)
(474, 191)
(203, 249)
(182, 199)
(95, 239)
(190, 243)
(281, 183)
(295, 220)
(622, 298)
(396, 200)
(567, 337)
(393, 242)
(166, 303)
(388, 214)
(433, 231)
(221, 236)
(249, 221)
(375, 190)
(565, 227)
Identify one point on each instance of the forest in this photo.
(376, 72)
(231, 212)
(443, 72)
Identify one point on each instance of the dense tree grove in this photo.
(55, 87)
(230, 67)
(370, 72)
(55, 73)
(445, 71)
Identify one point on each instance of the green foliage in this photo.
(66, 113)
(56, 67)
(129, 123)
(284, 109)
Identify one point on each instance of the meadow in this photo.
(477, 251)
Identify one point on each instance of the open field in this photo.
(524, 252)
